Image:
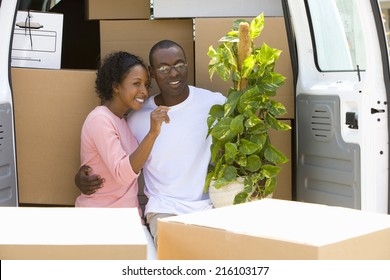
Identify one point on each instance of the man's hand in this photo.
(88, 184)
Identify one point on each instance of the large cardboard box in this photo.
(215, 8)
(33, 233)
(50, 108)
(275, 230)
(117, 9)
(37, 41)
(209, 30)
(138, 37)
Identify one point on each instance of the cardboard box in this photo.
(50, 109)
(117, 9)
(215, 8)
(138, 37)
(37, 40)
(32, 233)
(209, 31)
(276, 230)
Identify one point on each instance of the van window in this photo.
(37, 5)
(338, 42)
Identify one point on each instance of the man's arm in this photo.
(87, 184)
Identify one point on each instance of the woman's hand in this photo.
(157, 117)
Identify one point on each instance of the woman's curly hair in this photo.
(113, 70)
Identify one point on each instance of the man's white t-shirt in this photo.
(176, 169)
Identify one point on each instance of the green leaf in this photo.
(269, 187)
(259, 139)
(215, 60)
(228, 57)
(212, 53)
(256, 26)
(221, 130)
(261, 128)
(231, 37)
(215, 151)
(250, 99)
(240, 198)
(221, 70)
(241, 160)
(210, 121)
(237, 124)
(247, 66)
(230, 173)
(267, 56)
(248, 189)
(271, 82)
(231, 102)
(222, 61)
(230, 152)
(247, 147)
(277, 108)
(284, 126)
(252, 121)
(207, 182)
(236, 78)
(254, 163)
(218, 170)
(248, 182)
(270, 171)
(276, 124)
(220, 183)
(216, 111)
(274, 155)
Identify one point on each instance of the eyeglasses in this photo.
(165, 69)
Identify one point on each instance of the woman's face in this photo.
(134, 89)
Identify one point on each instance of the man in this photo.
(176, 169)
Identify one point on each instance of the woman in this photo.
(107, 144)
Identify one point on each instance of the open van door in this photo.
(340, 62)
(8, 179)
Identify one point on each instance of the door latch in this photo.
(374, 111)
(351, 120)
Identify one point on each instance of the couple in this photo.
(171, 129)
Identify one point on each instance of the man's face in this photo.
(172, 80)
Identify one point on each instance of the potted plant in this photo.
(241, 147)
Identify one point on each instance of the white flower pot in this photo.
(225, 196)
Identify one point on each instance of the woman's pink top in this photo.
(106, 143)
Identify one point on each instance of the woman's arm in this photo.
(141, 154)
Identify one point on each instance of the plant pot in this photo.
(225, 196)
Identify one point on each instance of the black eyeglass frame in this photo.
(165, 69)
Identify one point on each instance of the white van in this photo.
(340, 72)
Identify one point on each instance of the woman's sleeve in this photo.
(107, 141)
